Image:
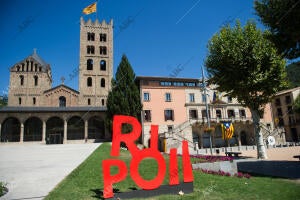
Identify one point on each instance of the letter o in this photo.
(134, 172)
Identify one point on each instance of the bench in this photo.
(297, 156)
(236, 154)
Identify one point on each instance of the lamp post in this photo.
(207, 112)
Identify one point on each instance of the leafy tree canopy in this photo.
(293, 73)
(282, 17)
(124, 98)
(297, 104)
(243, 63)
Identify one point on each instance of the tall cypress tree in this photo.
(124, 98)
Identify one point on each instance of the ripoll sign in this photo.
(138, 155)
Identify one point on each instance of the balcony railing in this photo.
(217, 120)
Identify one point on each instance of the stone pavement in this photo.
(31, 171)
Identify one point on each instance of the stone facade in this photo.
(31, 78)
(38, 112)
(96, 62)
(28, 81)
(284, 115)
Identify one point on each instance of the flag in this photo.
(90, 9)
(227, 130)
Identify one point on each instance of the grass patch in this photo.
(85, 182)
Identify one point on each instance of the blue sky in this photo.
(159, 35)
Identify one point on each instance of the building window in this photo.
(288, 99)
(165, 83)
(242, 113)
(170, 128)
(229, 99)
(169, 115)
(230, 113)
(90, 49)
(103, 50)
(281, 122)
(20, 100)
(218, 114)
(34, 100)
(146, 96)
(21, 80)
(89, 64)
(102, 101)
(103, 65)
(203, 113)
(62, 101)
(89, 82)
(203, 98)
(290, 110)
(102, 37)
(193, 114)
(35, 67)
(89, 101)
(18, 68)
(102, 82)
(279, 112)
(277, 102)
(192, 97)
(40, 69)
(147, 115)
(36, 79)
(168, 97)
(91, 36)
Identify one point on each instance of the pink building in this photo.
(177, 106)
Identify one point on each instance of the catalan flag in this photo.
(227, 130)
(90, 9)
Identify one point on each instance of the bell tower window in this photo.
(89, 82)
(103, 50)
(103, 65)
(89, 64)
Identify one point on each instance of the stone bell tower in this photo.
(96, 62)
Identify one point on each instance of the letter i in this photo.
(173, 168)
(186, 163)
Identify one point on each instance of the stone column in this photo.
(65, 131)
(22, 132)
(44, 132)
(86, 128)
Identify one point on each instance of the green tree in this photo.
(293, 74)
(282, 17)
(3, 100)
(297, 104)
(124, 98)
(245, 65)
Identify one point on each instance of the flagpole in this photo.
(207, 112)
(96, 10)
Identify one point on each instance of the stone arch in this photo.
(10, 130)
(75, 128)
(54, 130)
(96, 128)
(33, 129)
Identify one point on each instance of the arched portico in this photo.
(11, 130)
(33, 129)
(96, 128)
(75, 130)
(54, 130)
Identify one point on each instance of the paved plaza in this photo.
(31, 171)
